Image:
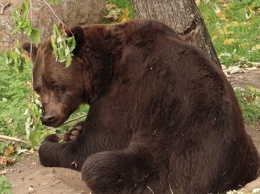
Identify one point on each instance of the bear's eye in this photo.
(58, 88)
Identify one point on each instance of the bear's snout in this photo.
(48, 119)
(54, 113)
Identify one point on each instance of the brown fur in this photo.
(162, 119)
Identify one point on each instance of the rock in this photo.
(71, 12)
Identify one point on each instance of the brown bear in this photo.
(163, 118)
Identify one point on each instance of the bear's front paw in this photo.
(51, 138)
(73, 133)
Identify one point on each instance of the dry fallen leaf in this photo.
(124, 15)
(229, 41)
(198, 2)
(256, 47)
(10, 150)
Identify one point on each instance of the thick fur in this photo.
(163, 118)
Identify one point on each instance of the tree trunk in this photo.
(183, 16)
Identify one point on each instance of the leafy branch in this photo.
(24, 24)
(13, 60)
(62, 45)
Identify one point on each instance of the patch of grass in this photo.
(234, 27)
(249, 100)
(14, 91)
(14, 99)
(5, 187)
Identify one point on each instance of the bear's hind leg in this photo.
(118, 171)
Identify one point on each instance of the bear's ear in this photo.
(79, 35)
(31, 49)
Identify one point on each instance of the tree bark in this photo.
(183, 16)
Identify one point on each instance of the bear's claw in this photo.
(73, 133)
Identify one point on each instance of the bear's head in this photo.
(61, 89)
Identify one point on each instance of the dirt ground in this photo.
(28, 176)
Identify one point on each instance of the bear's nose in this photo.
(48, 118)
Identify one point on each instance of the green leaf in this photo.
(35, 36)
(62, 45)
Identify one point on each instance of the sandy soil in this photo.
(28, 176)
